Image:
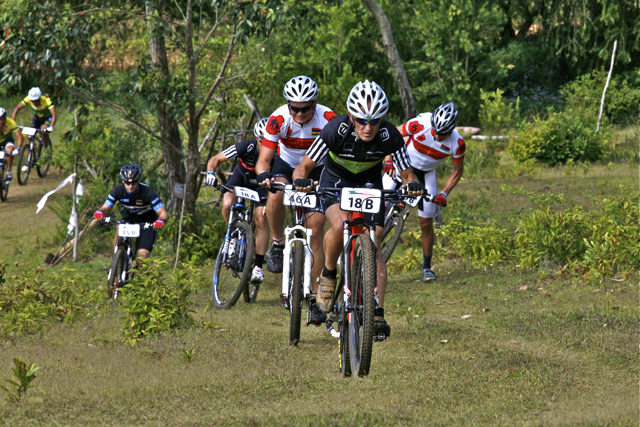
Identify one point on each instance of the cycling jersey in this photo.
(351, 159)
(141, 206)
(426, 153)
(291, 138)
(43, 109)
(7, 134)
(247, 153)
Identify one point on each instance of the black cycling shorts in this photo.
(147, 237)
(328, 180)
(238, 179)
(282, 169)
(37, 122)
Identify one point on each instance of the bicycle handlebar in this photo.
(37, 130)
(112, 221)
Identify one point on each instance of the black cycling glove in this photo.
(263, 177)
(414, 186)
(301, 183)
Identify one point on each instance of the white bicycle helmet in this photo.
(35, 94)
(3, 113)
(444, 119)
(260, 127)
(367, 101)
(300, 89)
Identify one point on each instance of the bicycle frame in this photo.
(297, 233)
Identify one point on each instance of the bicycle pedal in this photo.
(379, 337)
(25, 168)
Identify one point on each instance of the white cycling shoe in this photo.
(257, 275)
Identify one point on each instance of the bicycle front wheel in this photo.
(44, 158)
(362, 304)
(296, 277)
(233, 266)
(4, 185)
(343, 342)
(391, 235)
(24, 164)
(118, 266)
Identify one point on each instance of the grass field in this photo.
(534, 351)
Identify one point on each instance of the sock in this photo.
(279, 242)
(426, 261)
(330, 274)
(259, 260)
(379, 312)
(314, 296)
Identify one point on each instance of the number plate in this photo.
(366, 200)
(1, 155)
(413, 201)
(298, 198)
(245, 193)
(29, 131)
(129, 230)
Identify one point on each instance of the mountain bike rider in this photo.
(8, 128)
(45, 113)
(433, 138)
(354, 146)
(291, 130)
(141, 203)
(247, 152)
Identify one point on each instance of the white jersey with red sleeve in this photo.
(292, 139)
(424, 151)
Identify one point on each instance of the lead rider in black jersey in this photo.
(354, 146)
(141, 203)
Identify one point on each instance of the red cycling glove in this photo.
(99, 215)
(388, 167)
(158, 223)
(441, 199)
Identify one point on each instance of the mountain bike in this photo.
(356, 294)
(34, 154)
(234, 262)
(4, 184)
(123, 255)
(297, 259)
(394, 220)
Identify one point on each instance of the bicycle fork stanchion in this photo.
(286, 266)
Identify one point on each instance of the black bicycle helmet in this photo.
(444, 119)
(130, 173)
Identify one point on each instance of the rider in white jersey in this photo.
(291, 130)
(432, 138)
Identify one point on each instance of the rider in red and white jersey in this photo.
(432, 138)
(291, 130)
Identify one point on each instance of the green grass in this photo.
(560, 352)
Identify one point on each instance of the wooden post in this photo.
(613, 56)
(74, 189)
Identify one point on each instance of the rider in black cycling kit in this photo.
(354, 147)
(142, 205)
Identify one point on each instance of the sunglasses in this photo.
(300, 110)
(364, 122)
(131, 182)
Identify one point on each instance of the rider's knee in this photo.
(426, 224)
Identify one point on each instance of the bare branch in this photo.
(215, 84)
(206, 39)
(178, 6)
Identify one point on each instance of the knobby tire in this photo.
(343, 342)
(118, 265)
(42, 163)
(391, 235)
(229, 280)
(4, 185)
(25, 158)
(295, 291)
(362, 303)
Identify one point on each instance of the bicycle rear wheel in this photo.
(233, 266)
(44, 158)
(118, 265)
(391, 235)
(4, 185)
(362, 304)
(24, 164)
(296, 277)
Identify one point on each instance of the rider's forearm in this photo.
(407, 175)
(264, 161)
(303, 170)
(454, 178)
(15, 111)
(54, 116)
(105, 209)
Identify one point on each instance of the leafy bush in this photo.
(153, 304)
(496, 115)
(621, 100)
(569, 135)
(483, 245)
(31, 299)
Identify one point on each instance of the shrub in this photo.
(496, 115)
(569, 135)
(153, 304)
(483, 245)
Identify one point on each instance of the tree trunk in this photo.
(404, 88)
(171, 150)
